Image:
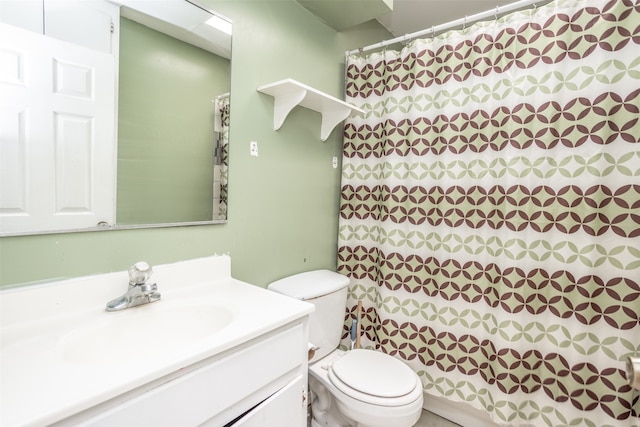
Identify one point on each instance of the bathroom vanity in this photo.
(213, 351)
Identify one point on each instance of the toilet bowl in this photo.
(364, 388)
(357, 388)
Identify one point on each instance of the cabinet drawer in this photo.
(217, 390)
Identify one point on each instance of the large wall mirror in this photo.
(173, 92)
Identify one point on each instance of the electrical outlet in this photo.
(253, 148)
(334, 162)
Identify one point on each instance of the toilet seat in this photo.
(376, 378)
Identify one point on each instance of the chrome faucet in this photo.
(139, 292)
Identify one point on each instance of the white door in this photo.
(57, 134)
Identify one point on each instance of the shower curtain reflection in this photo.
(221, 156)
(489, 211)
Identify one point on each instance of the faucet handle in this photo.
(140, 272)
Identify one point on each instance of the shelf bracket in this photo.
(330, 120)
(284, 103)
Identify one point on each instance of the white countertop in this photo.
(41, 382)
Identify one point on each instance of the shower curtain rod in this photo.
(499, 10)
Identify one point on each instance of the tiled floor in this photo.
(429, 419)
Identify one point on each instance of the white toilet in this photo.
(359, 388)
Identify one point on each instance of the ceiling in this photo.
(409, 16)
(400, 17)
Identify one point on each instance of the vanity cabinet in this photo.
(276, 410)
(214, 351)
(261, 383)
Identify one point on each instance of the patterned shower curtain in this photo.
(490, 211)
(222, 106)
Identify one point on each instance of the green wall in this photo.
(165, 127)
(283, 205)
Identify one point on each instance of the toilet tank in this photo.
(327, 291)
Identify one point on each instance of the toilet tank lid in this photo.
(311, 284)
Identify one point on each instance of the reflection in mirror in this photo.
(172, 109)
(221, 165)
(170, 151)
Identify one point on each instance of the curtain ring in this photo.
(497, 12)
(433, 33)
(464, 24)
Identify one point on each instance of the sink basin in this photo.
(142, 331)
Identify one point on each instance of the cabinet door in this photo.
(287, 407)
(88, 23)
(25, 14)
(57, 137)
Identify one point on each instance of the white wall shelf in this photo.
(289, 93)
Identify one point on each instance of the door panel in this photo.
(57, 120)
